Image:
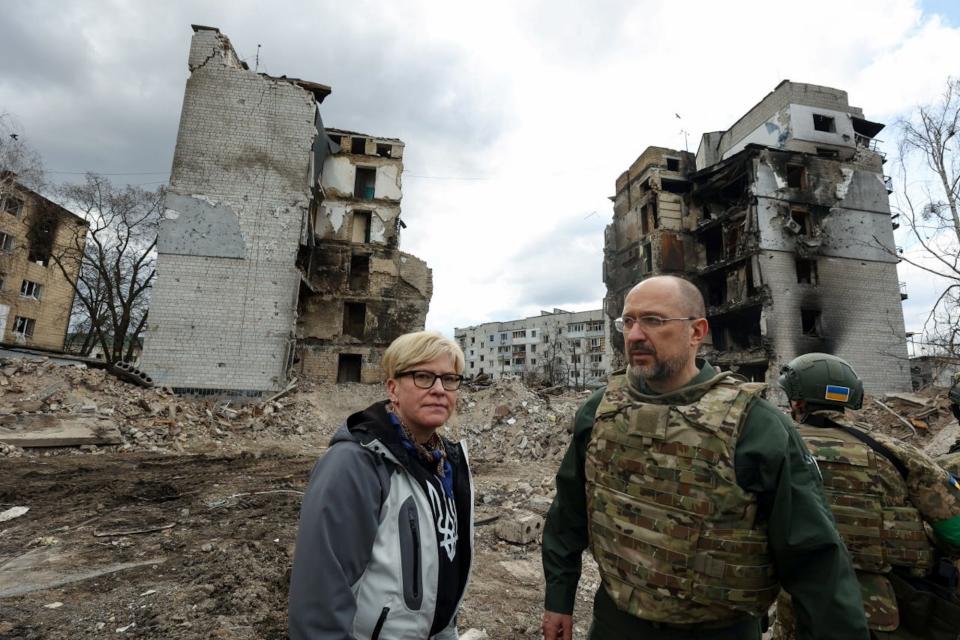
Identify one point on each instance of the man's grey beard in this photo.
(660, 370)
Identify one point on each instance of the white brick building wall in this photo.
(244, 145)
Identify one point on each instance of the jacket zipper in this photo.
(414, 529)
(382, 619)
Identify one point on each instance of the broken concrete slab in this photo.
(519, 528)
(910, 398)
(52, 567)
(13, 512)
(44, 430)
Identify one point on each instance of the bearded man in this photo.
(697, 498)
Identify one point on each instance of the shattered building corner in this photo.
(279, 246)
(783, 222)
(358, 291)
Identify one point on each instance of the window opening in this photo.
(806, 271)
(358, 145)
(796, 176)
(359, 272)
(364, 186)
(810, 322)
(30, 289)
(24, 326)
(385, 150)
(12, 205)
(348, 367)
(824, 123)
(802, 219)
(673, 164)
(354, 319)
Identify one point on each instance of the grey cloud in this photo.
(118, 110)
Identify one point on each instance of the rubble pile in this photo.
(508, 421)
(505, 421)
(148, 419)
(922, 419)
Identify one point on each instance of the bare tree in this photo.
(116, 261)
(928, 205)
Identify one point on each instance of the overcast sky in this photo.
(517, 116)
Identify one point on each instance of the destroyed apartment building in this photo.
(783, 221)
(279, 246)
(40, 248)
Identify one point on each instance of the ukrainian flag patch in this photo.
(837, 393)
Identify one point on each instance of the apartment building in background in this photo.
(556, 347)
(783, 222)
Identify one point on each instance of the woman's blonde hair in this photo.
(421, 346)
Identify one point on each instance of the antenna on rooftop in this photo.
(257, 63)
(686, 144)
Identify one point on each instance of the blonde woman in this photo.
(385, 541)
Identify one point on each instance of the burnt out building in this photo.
(359, 291)
(41, 244)
(783, 222)
(259, 276)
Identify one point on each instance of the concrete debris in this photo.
(474, 634)
(520, 528)
(13, 512)
(909, 398)
(45, 430)
(508, 421)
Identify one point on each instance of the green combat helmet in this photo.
(822, 379)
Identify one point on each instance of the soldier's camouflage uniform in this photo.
(695, 505)
(880, 505)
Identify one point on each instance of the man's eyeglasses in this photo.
(426, 379)
(647, 323)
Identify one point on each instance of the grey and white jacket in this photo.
(366, 561)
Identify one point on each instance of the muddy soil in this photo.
(221, 570)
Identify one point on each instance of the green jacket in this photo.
(771, 461)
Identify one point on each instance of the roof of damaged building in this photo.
(347, 132)
(23, 189)
(651, 157)
(319, 91)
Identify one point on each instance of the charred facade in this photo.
(783, 222)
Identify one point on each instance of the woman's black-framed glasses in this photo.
(426, 379)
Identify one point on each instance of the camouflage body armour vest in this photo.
(870, 502)
(675, 537)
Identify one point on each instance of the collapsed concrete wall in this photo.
(224, 305)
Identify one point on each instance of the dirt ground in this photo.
(188, 531)
(187, 528)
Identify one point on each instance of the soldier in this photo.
(696, 496)
(881, 492)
